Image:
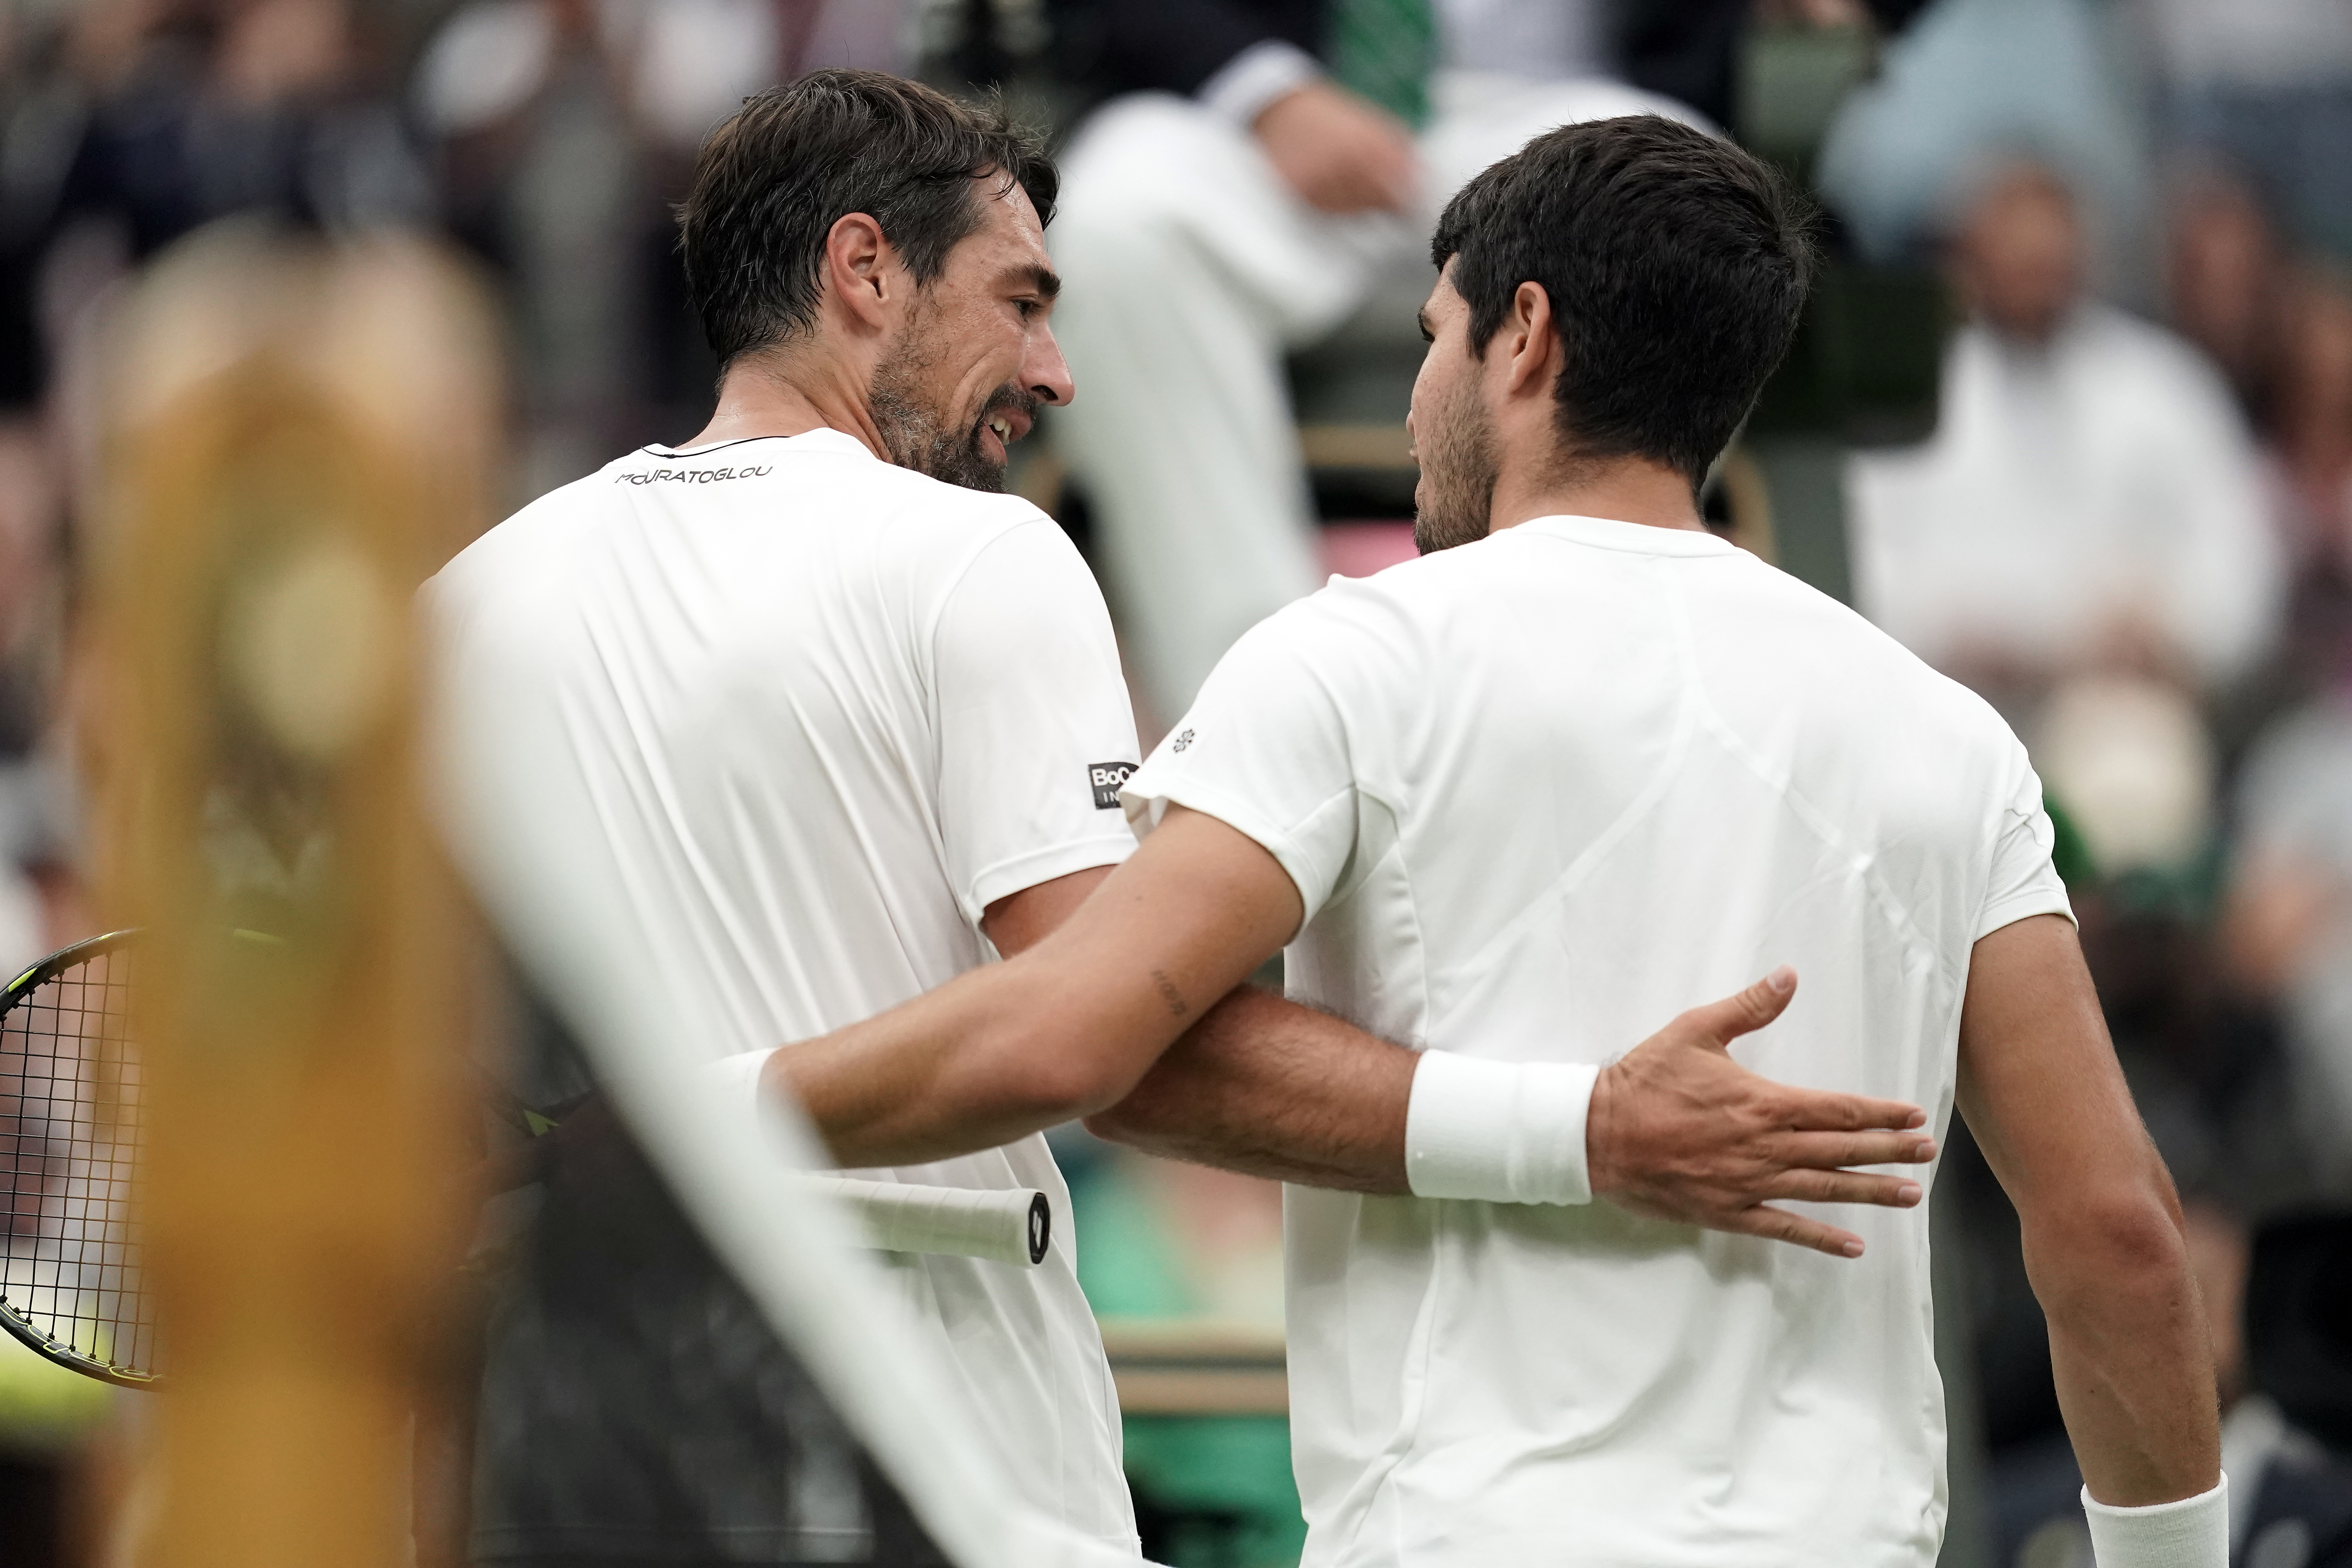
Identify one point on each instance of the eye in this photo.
(1029, 308)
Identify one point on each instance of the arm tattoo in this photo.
(1169, 993)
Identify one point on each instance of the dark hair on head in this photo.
(772, 181)
(1677, 265)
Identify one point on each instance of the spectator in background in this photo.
(2267, 87)
(2313, 420)
(2287, 924)
(2222, 263)
(196, 110)
(2090, 497)
(1258, 167)
(1975, 74)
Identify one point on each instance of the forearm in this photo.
(2129, 1348)
(975, 1063)
(2041, 1090)
(1273, 1089)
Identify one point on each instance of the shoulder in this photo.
(524, 548)
(1819, 646)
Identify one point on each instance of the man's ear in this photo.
(861, 269)
(1533, 343)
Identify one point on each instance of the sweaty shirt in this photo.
(830, 710)
(1540, 794)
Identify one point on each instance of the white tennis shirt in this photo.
(830, 711)
(1539, 793)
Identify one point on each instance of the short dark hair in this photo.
(771, 182)
(1677, 265)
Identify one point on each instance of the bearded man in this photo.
(853, 724)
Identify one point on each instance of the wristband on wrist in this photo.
(1248, 85)
(2189, 1532)
(736, 1082)
(1506, 1132)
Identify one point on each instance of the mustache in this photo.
(1010, 399)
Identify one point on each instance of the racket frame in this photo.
(18, 1325)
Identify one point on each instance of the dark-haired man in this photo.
(850, 728)
(1507, 800)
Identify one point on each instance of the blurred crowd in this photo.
(2125, 517)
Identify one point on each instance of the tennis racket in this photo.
(72, 1134)
(72, 1137)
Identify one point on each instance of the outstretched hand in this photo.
(1680, 1131)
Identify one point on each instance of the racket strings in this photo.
(72, 1105)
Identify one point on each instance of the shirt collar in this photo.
(821, 439)
(1633, 538)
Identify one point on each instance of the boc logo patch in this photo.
(1106, 778)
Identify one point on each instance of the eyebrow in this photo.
(1044, 279)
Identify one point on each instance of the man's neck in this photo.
(1627, 489)
(775, 395)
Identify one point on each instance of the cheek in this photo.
(995, 357)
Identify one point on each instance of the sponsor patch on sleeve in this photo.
(1108, 778)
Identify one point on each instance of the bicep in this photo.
(2039, 1083)
(1018, 922)
(1184, 920)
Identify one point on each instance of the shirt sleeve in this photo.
(2024, 879)
(1273, 747)
(1035, 733)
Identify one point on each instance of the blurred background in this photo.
(2071, 415)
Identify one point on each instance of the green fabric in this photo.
(43, 1406)
(1230, 1473)
(1386, 49)
(2068, 853)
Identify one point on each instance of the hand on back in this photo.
(1339, 154)
(1680, 1131)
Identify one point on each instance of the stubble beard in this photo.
(1455, 499)
(920, 436)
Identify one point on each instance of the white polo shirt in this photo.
(830, 711)
(1539, 793)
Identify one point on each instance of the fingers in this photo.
(1820, 1110)
(1779, 1224)
(1828, 1150)
(1847, 1187)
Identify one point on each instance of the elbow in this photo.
(1066, 1082)
(2125, 1241)
(1118, 1123)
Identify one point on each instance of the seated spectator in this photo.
(2221, 267)
(2287, 928)
(2090, 500)
(2269, 88)
(2314, 421)
(1257, 168)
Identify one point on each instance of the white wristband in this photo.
(2189, 1532)
(1508, 1132)
(734, 1082)
(1248, 85)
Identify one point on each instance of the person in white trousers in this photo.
(1203, 237)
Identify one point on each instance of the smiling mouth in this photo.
(1005, 425)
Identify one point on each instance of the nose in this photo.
(1043, 370)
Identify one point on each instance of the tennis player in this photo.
(853, 721)
(1503, 804)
